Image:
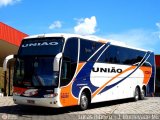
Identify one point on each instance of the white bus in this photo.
(59, 70)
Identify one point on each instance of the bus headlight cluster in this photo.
(17, 94)
(50, 95)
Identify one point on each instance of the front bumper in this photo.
(45, 102)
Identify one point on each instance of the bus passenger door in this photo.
(65, 73)
(68, 69)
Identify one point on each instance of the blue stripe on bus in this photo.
(83, 76)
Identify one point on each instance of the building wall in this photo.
(157, 85)
(157, 60)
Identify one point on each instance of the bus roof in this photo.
(66, 35)
(88, 37)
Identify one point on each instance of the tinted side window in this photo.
(124, 55)
(71, 50)
(139, 57)
(121, 55)
(150, 60)
(87, 49)
(103, 58)
(129, 56)
(111, 55)
(69, 62)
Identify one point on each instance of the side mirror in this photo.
(9, 57)
(57, 62)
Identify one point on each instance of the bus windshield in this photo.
(34, 66)
(35, 72)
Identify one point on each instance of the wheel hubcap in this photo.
(142, 94)
(136, 95)
(84, 101)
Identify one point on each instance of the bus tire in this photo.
(142, 96)
(84, 101)
(136, 94)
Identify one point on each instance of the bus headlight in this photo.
(50, 95)
(17, 94)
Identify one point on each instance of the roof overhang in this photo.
(6, 49)
(10, 40)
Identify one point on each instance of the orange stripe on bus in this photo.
(66, 97)
(147, 71)
(80, 65)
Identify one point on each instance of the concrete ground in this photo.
(121, 109)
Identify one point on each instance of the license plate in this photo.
(31, 101)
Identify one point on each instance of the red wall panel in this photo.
(157, 60)
(10, 34)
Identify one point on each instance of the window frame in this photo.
(69, 60)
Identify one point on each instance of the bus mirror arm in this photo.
(9, 57)
(57, 62)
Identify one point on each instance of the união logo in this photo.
(107, 70)
(39, 44)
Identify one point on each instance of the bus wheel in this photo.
(142, 94)
(84, 101)
(136, 94)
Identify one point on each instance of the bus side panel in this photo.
(151, 84)
(114, 85)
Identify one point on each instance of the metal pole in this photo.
(9, 82)
(5, 83)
